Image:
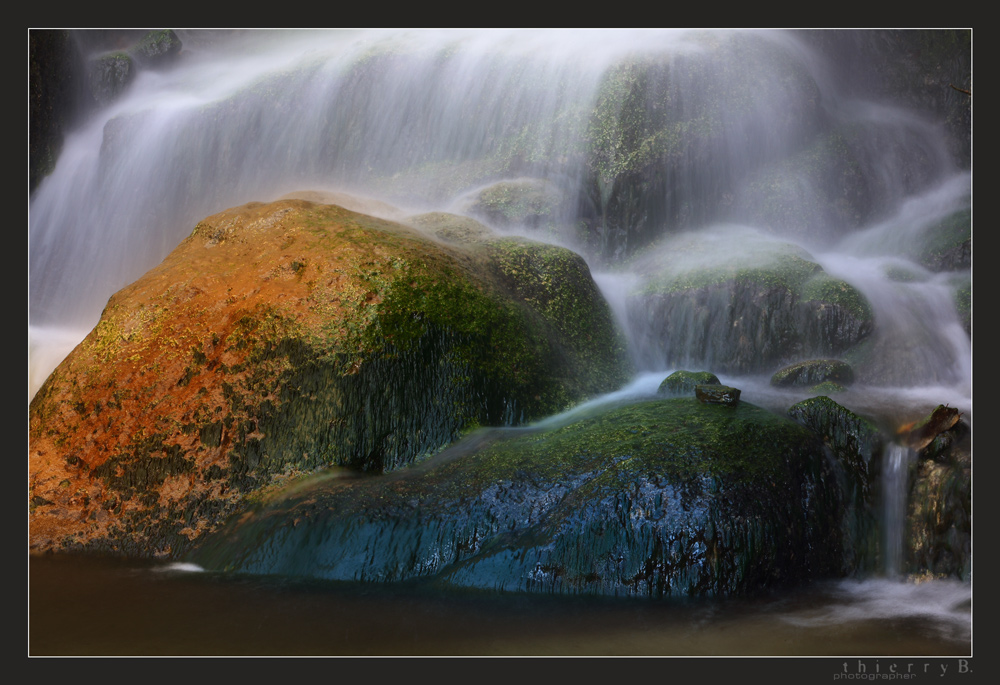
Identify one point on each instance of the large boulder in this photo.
(280, 338)
(743, 310)
(665, 498)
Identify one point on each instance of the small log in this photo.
(941, 419)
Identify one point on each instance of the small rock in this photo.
(717, 394)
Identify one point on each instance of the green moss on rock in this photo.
(742, 312)
(827, 388)
(814, 371)
(683, 382)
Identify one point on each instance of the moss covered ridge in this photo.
(664, 498)
(279, 338)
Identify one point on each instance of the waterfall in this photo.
(895, 508)
(640, 135)
(415, 117)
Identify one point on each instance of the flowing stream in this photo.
(422, 120)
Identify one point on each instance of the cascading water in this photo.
(645, 139)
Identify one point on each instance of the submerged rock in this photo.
(684, 382)
(665, 498)
(280, 338)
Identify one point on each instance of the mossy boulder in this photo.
(280, 338)
(660, 123)
(665, 498)
(812, 193)
(110, 73)
(812, 372)
(554, 283)
(767, 304)
(157, 48)
(684, 382)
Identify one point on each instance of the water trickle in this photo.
(895, 508)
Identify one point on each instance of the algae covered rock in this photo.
(665, 498)
(701, 302)
(684, 382)
(963, 302)
(812, 372)
(280, 338)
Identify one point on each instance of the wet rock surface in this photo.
(717, 394)
(665, 498)
(857, 447)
